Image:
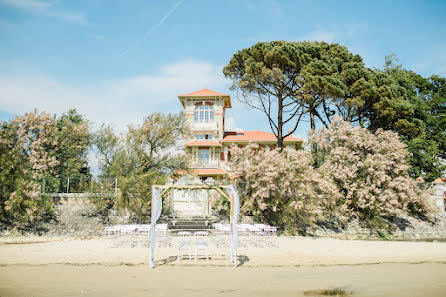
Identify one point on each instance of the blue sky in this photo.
(116, 61)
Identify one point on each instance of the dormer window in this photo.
(204, 114)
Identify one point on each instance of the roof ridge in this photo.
(204, 92)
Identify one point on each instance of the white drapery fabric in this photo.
(234, 234)
(157, 206)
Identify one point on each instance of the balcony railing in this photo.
(204, 126)
(209, 163)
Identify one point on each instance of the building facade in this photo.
(208, 146)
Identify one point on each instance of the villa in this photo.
(208, 147)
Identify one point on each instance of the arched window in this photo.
(204, 114)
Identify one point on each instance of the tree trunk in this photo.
(313, 125)
(280, 123)
(314, 146)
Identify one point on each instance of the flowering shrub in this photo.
(27, 144)
(360, 175)
(370, 170)
(273, 182)
(33, 147)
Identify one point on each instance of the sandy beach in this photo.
(282, 266)
(273, 252)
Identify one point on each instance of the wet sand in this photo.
(282, 267)
(101, 280)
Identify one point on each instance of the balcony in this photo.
(205, 163)
(204, 126)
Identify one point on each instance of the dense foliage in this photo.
(361, 175)
(33, 147)
(370, 170)
(293, 81)
(290, 80)
(144, 156)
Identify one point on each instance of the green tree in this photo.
(35, 150)
(335, 80)
(74, 140)
(146, 155)
(289, 81)
(268, 75)
(414, 107)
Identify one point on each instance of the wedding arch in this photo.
(161, 191)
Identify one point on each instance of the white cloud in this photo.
(48, 9)
(320, 35)
(121, 101)
(335, 33)
(230, 125)
(28, 4)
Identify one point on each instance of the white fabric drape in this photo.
(157, 205)
(234, 234)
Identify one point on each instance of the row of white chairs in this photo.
(245, 229)
(161, 229)
(200, 243)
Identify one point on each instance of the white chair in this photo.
(270, 230)
(144, 229)
(184, 241)
(225, 229)
(201, 243)
(161, 230)
(217, 228)
(125, 229)
(111, 230)
(261, 227)
(243, 230)
(257, 229)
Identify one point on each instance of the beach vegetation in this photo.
(33, 147)
(360, 175)
(144, 155)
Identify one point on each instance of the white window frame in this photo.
(204, 114)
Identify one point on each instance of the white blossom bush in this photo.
(275, 186)
(359, 175)
(369, 170)
(27, 145)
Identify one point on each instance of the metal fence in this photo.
(79, 184)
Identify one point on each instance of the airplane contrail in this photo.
(153, 28)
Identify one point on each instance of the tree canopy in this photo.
(316, 81)
(289, 81)
(34, 147)
(144, 156)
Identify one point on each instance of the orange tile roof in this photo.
(203, 92)
(207, 93)
(215, 171)
(203, 143)
(247, 136)
(212, 171)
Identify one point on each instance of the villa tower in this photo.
(208, 147)
(205, 114)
